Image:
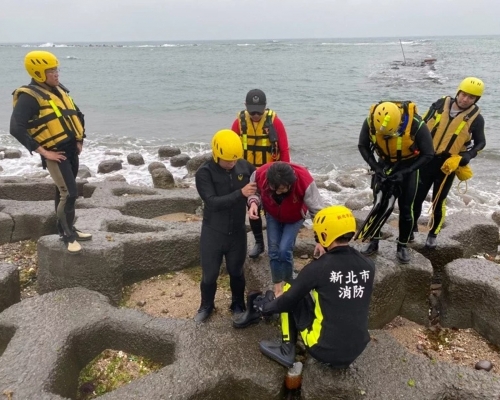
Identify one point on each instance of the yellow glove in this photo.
(451, 164)
(464, 173)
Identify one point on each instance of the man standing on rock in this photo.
(46, 120)
(457, 129)
(264, 140)
(403, 144)
(224, 185)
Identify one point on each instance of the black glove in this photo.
(466, 156)
(398, 176)
(260, 301)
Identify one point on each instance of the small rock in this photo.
(108, 166)
(163, 293)
(168, 151)
(155, 165)
(135, 159)
(116, 178)
(12, 153)
(178, 284)
(162, 179)
(484, 365)
(178, 294)
(164, 311)
(112, 153)
(420, 347)
(304, 257)
(141, 303)
(179, 160)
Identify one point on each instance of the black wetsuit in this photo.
(26, 109)
(223, 232)
(409, 167)
(335, 328)
(432, 176)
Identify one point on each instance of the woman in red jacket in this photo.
(286, 191)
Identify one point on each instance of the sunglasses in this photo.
(256, 113)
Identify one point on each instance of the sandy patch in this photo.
(178, 217)
(459, 346)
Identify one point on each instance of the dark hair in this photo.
(280, 173)
(346, 238)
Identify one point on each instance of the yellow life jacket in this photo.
(260, 143)
(402, 146)
(58, 119)
(449, 135)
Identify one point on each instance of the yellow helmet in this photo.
(36, 62)
(386, 118)
(333, 222)
(227, 146)
(471, 85)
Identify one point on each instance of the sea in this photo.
(138, 96)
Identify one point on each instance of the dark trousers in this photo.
(432, 176)
(407, 191)
(214, 246)
(64, 176)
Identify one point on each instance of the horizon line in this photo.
(260, 39)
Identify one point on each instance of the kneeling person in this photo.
(328, 303)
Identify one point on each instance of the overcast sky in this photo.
(60, 21)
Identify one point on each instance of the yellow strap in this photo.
(55, 108)
(399, 143)
(460, 127)
(245, 141)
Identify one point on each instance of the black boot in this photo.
(207, 301)
(258, 248)
(403, 254)
(370, 248)
(431, 242)
(256, 226)
(250, 316)
(284, 352)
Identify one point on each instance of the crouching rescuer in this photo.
(328, 303)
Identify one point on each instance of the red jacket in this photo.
(303, 196)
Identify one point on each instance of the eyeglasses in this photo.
(256, 113)
(52, 71)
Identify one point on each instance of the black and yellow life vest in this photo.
(58, 119)
(449, 135)
(260, 143)
(401, 146)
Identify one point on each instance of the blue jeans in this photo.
(280, 243)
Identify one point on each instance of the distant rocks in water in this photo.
(179, 160)
(112, 153)
(135, 159)
(168, 151)
(84, 172)
(426, 62)
(1, 169)
(349, 181)
(359, 200)
(12, 153)
(162, 178)
(1, 156)
(196, 162)
(155, 165)
(116, 178)
(105, 167)
(2, 149)
(496, 217)
(484, 365)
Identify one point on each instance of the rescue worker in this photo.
(264, 140)
(403, 144)
(328, 302)
(224, 185)
(46, 120)
(457, 128)
(286, 192)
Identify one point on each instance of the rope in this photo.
(432, 208)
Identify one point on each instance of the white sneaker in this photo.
(81, 236)
(74, 247)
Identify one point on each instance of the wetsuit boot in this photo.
(207, 302)
(403, 254)
(258, 248)
(250, 316)
(370, 248)
(284, 352)
(431, 242)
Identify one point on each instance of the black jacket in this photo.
(225, 206)
(341, 280)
